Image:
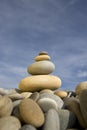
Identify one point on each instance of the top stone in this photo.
(43, 53)
(42, 56)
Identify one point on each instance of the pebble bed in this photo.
(39, 103)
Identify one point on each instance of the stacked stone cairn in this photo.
(39, 103)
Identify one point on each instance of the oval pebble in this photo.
(52, 121)
(31, 112)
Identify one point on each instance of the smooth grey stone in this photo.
(28, 127)
(52, 121)
(67, 119)
(58, 100)
(47, 103)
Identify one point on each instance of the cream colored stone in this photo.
(42, 57)
(61, 93)
(6, 106)
(46, 91)
(81, 86)
(39, 82)
(41, 67)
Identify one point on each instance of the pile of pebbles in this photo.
(44, 106)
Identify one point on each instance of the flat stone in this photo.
(41, 67)
(57, 99)
(42, 57)
(31, 112)
(39, 82)
(9, 123)
(83, 104)
(6, 106)
(81, 86)
(52, 121)
(28, 127)
(47, 103)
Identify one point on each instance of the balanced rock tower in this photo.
(40, 75)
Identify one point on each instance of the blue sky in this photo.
(58, 27)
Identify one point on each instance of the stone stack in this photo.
(38, 104)
(40, 78)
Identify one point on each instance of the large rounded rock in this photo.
(31, 112)
(41, 67)
(39, 82)
(81, 86)
(9, 123)
(6, 106)
(52, 121)
(83, 104)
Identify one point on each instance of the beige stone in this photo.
(6, 106)
(31, 112)
(61, 93)
(39, 82)
(41, 67)
(81, 86)
(9, 123)
(42, 57)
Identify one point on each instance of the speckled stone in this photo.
(41, 67)
(83, 104)
(47, 103)
(52, 121)
(6, 106)
(81, 86)
(39, 82)
(9, 123)
(31, 113)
